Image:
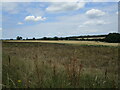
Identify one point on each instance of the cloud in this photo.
(17, 0)
(20, 23)
(66, 27)
(35, 11)
(12, 8)
(60, 0)
(117, 13)
(15, 7)
(95, 13)
(64, 24)
(33, 18)
(0, 29)
(95, 22)
(66, 6)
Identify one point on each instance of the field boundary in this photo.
(81, 43)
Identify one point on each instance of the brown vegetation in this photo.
(37, 65)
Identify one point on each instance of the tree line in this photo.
(111, 37)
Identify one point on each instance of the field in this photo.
(59, 65)
(93, 38)
(94, 43)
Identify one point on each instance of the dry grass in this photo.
(49, 65)
(93, 38)
(68, 42)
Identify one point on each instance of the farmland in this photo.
(68, 42)
(59, 64)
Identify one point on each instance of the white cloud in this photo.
(35, 11)
(95, 22)
(66, 6)
(15, 7)
(95, 13)
(67, 25)
(117, 13)
(20, 23)
(33, 18)
(60, 0)
(11, 7)
(103, 0)
(0, 29)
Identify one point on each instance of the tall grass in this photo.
(39, 65)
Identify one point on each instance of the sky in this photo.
(50, 19)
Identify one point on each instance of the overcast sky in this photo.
(49, 19)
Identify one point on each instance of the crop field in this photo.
(58, 64)
(68, 42)
(93, 38)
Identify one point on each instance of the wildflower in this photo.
(96, 78)
(19, 81)
(104, 82)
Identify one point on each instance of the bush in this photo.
(19, 38)
(33, 38)
(113, 38)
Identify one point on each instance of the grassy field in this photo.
(53, 65)
(68, 42)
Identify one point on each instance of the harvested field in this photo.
(68, 42)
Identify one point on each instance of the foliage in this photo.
(34, 38)
(113, 38)
(19, 38)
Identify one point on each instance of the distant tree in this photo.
(113, 38)
(83, 38)
(56, 38)
(67, 38)
(44, 38)
(26, 38)
(61, 38)
(19, 38)
(33, 38)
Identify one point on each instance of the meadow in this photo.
(93, 43)
(59, 65)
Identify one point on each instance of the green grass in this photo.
(47, 65)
